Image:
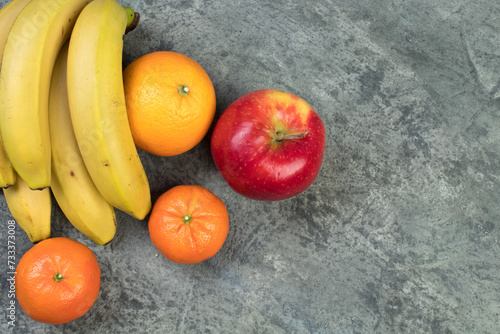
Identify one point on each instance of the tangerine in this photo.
(170, 102)
(57, 280)
(188, 224)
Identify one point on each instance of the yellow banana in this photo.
(71, 184)
(31, 49)
(98, 111)
(8, 14)
(30, 208)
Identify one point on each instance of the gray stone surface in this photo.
(399, 233)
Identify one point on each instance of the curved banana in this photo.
(32, 46)
(71, 184)
(30, 208)
(98, 111)
(8, 14)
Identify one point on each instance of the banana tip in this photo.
(133, 23)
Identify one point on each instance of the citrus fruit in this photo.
(188, 224)
(170, 102)
(57, 280)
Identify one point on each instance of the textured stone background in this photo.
(399, 233)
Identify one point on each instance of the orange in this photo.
(57, 280)
(170, 102)
(188, 224)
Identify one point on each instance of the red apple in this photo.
(269, 145)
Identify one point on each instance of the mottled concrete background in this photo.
(399, 233)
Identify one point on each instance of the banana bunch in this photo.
(63, 121)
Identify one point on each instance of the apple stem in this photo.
(280, 136)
